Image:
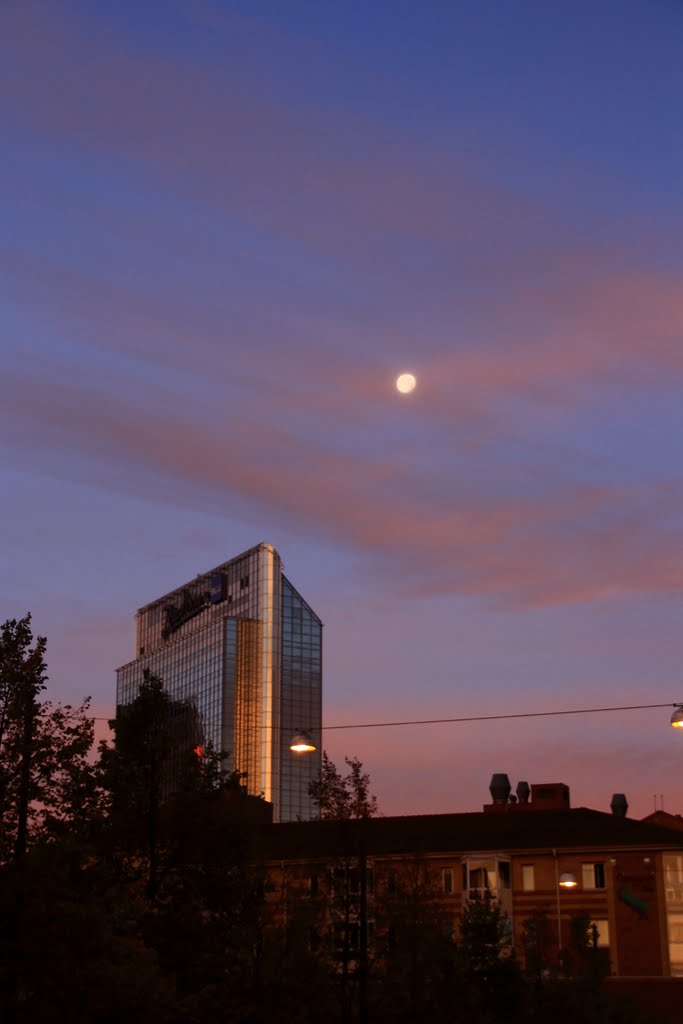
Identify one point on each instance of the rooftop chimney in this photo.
(619, 805)
(523, 792)
(500, 788)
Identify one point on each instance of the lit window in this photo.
(673, 875)
(593, 875)
(485, 874)
(447, 880)
(528, 879)
(482, 877)
(598, 933)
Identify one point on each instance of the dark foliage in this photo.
(47, 783)
(343, 797)
(131, 890)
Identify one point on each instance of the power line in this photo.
(493, 718)
(484, 718)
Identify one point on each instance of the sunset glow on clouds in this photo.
(227, 231)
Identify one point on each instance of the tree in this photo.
(22, 677)
(176, 838)
(70, 945)
(347, 799)
(46, 781)
(414, 971)
(490, 968)
(343, 797)
(158, 753)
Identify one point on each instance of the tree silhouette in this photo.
(343, 797)
(47, 783)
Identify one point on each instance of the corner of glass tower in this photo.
(242, 647)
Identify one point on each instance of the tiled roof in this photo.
(443, 833)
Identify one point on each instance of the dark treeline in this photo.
(130, 890)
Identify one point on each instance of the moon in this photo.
(405, 383)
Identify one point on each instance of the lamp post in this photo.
(566, 880)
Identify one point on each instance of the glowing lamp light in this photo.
(567, 880)
(302, 743)
(677, 717)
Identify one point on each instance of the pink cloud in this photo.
(568, 542)
(447, 768)
(344, 186)
(344, 190)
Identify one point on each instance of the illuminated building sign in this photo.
(178, 614)
(217, 588)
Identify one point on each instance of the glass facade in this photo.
(241, 647)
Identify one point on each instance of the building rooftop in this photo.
(579, 828)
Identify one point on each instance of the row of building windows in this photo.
(592, 876)
(477, 876)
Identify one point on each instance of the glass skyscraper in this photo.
(241, 648)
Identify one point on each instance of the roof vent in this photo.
(500, 788)
(619, 805)
(523, 792)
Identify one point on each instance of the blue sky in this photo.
(227, 227)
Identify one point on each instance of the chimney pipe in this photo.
(523, 792)
(500, 788)
(619, 805)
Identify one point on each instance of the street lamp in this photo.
(302, 743)
(566, 880)
(677, 717)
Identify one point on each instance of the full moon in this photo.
(405, 383)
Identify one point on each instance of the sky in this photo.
(227, 227)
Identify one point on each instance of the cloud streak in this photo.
(267, 387)
(570, 541)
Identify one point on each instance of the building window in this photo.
(392, 885)
(482, 876)
(676, 943)
(486, 875)
(313, 884)
(673, 876)
(598, 933)
(346, 881)
(447, 880)
(593, 875)
(528, 878)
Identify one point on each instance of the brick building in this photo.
(625, 876)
